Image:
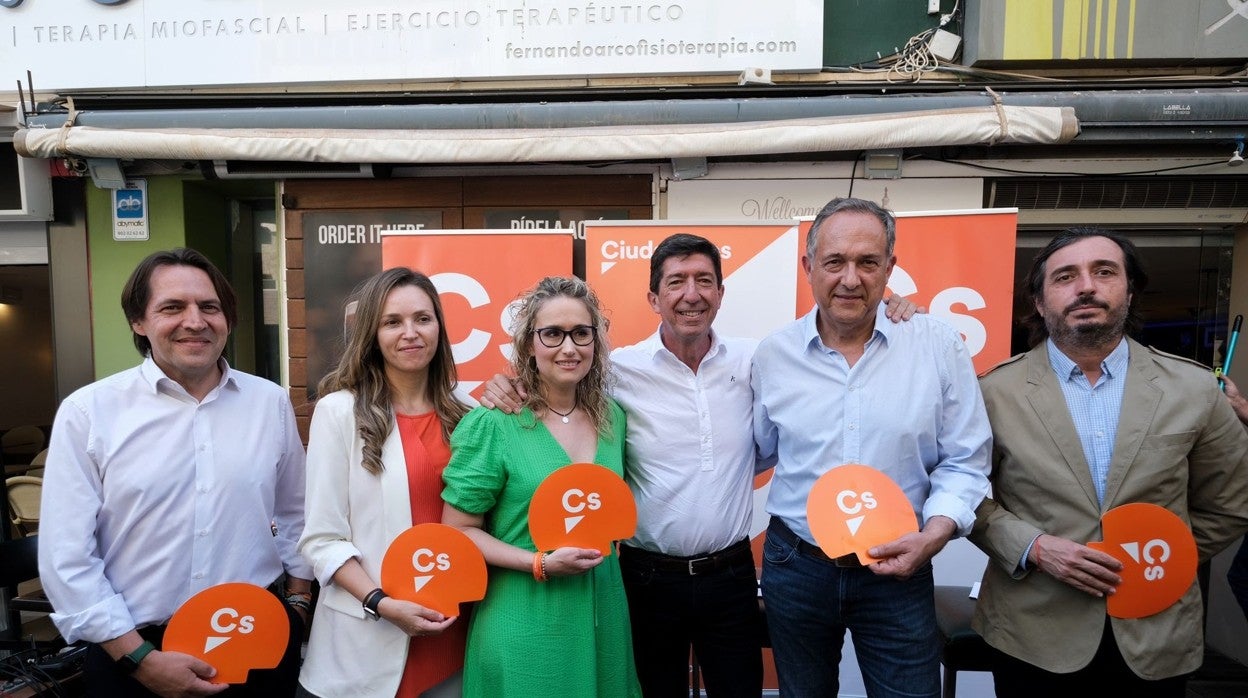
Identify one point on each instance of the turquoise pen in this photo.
(1230, 350)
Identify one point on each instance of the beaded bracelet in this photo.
(301, 604)
(298, 599)
(539, 567)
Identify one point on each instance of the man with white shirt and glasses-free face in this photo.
(842, 385)
(689, 569)
(166, 479)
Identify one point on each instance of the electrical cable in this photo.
(1009, 170)
(46, 680)
(853, 172)
(914, 60)
(15, 673)
(25, 668)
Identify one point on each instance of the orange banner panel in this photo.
(960, 265)
(478, 274)
(756, 259)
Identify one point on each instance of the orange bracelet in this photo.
(539, 566)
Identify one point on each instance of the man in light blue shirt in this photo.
(843, 385)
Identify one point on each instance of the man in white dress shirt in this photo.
(689, 570)
(166, 479)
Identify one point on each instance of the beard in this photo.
(1087, 335)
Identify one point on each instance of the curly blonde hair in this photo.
(591, 391)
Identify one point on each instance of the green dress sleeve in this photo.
(476, 473)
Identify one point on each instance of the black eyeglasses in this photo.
(552, 337)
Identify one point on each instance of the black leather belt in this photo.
(693, 565)
(781, 531)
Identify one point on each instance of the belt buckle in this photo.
(692, 573)
(847, 560)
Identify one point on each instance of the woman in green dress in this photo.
(552, 622)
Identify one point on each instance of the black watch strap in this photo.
(371, 601)
(129, 663)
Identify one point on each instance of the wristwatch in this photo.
(371, 601)
(129, 663)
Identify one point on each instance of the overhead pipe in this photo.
(1203, 110)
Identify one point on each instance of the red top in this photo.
(430, 660)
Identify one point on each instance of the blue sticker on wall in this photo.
(129, 203)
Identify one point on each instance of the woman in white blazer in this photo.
(376, 452)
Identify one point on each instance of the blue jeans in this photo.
(810, 604)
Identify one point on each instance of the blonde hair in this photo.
(362, 368)
(591, 391)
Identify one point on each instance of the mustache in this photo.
(1085, 303)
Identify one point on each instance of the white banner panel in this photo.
(767, 199)
(170, 43)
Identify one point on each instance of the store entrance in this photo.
(29, 378)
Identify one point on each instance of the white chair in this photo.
(24, 495)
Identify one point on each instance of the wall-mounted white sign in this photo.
(89, 44)
(130, 211)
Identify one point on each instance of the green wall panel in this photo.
(110, 263)
(181, 212)
(855, 30)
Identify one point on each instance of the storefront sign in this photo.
(130, 211)
(755, 198)
(163, 43)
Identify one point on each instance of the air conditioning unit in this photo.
(251, 169)
(25, 186)
(1123, 201)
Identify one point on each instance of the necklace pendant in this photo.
(566, 420)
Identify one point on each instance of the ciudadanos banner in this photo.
(957, 264)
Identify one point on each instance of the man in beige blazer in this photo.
(1084, 422)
